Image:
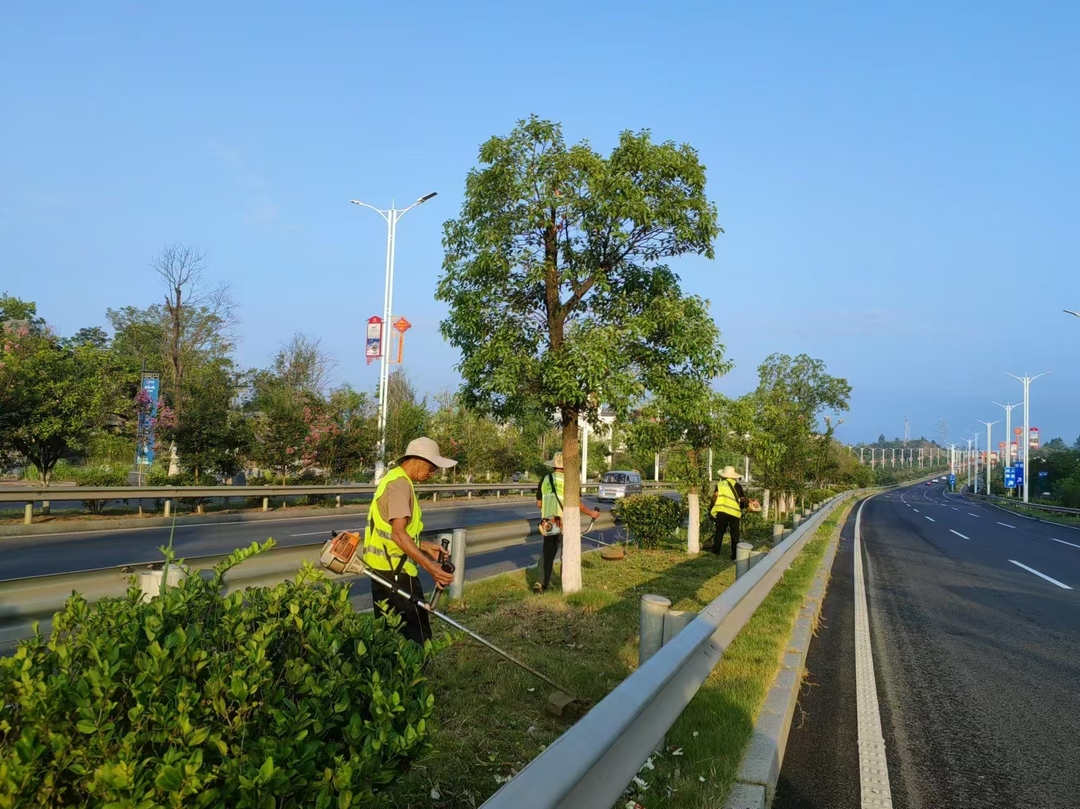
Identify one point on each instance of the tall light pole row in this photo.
(391, 215)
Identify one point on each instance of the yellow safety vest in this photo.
(380, 551)
(726, 500)
(552, 498)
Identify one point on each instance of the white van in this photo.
(617, 485)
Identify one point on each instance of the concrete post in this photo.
(795, 520)
(457, 556)
(168, 507)
(742, 558)
(777, 533)
(434, 497)
(266, 504)
(337, 501)
(653, 610)
(28, 514)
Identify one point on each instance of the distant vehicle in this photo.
(929, 482)
(617, 485)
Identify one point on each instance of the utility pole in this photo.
(988, 424)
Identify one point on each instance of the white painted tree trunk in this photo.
(765, 504)
(571, 519)
(693, 526)
(174, 461)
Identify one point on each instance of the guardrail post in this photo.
(434, 497)
(168, 506)
(337, 501)
(795, 520)
(742, 558)
(28, 514)
(266, 504)
(457, 556)
(470, 495)
(777, 533)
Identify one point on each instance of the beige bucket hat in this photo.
(427, 449)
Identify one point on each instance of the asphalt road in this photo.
(64, 553)
(975, 631)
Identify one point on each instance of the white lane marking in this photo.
(873, 767)
(958, 534)
(930, 518)
(1041, 575)
(954, 508)
(1063, 542)
(1007, 525)
(972, 515)
(916, 511)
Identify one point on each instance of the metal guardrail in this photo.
(38, 598)
(591, 764)
(1009, 501)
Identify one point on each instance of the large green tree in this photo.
(52, 397)
(558, 289)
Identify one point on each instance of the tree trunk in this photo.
(765, 505)
(693, 526)
(571, 528)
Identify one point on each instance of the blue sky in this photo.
(898, 182)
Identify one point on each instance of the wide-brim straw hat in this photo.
(556, 461)
(427, 449)
(729, 473)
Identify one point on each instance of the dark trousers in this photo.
(723, 522)
(551, 550)
(415, 624)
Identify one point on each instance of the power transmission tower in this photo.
(943, 432)
(907, 430)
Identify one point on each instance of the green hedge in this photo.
(649, 518)
(282, 697)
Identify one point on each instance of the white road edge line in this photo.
(930, 518)
(873, 766)
(1013, 527)
(1041, 575)
(951, 531)
(1063, 542)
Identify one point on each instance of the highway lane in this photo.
(975, 632)
(37, 555)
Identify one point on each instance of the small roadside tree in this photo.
(558, 292)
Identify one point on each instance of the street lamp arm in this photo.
(384, 214)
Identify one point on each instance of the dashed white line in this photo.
(1007, 525)
(873, 766)
(930, 518)
(1041, 575)
(972, 515)
(916, 511)
(1063, 542)
(951, 531)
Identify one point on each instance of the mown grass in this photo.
(1045, 516)
(491, 718)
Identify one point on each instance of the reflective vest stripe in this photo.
(726, 501)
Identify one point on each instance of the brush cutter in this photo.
(339, 555)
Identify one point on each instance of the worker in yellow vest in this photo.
(392, 544)
(728, 503)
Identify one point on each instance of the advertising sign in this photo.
(1033, 438)
(373, 348)
(151, 389)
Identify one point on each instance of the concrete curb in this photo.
(99, 525)
(759, 772)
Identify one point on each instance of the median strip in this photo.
(1041, 575)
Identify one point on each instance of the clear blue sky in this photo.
(898, 181)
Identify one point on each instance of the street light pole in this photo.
(988, 446)
(1025, 438)
(391, 216)
(1008, 408)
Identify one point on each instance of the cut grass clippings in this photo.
(491, 717)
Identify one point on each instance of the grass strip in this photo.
(706, 745)
(491, 718)
(1046, 516)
